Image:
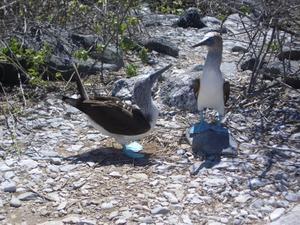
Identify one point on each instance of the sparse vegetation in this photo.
(131, 70)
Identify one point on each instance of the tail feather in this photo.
(81, 89)
(72, 101)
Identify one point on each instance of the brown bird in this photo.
(112, 117)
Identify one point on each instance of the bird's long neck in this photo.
(213, 58)
(149, 109)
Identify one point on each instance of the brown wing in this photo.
(113, 117)
(196, 86)
(226, 88)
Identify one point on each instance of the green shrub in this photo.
(131, 70)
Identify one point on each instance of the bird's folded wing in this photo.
(226, 90)
(114, 117)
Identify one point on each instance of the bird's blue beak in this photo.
(206, 41)
(156, 75)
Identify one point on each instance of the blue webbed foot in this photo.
(131, 150)
(199, 127)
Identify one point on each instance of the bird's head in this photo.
(142, 87)
(213, 40)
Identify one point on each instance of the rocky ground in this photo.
(60, 170)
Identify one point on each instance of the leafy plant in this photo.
(35, 60)
(131, 70)
(143, 54)
(81, 54)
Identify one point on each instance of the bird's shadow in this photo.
(106, 156)
(211, 146)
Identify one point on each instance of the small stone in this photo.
(53, 168)
(140, 176)
(115, 174)
(27, 196)
(160, 210)
(276, 213)
(257, 204)
(280, 204)
(67, 168)
(15, 202)
(52, 223)
(224, 220)
(295, 137)
(113, 214)
(62, 206)
(180, 152)
(78, 220)
(28, 164)
(239, 48)
(79, 183)
(171, 197)
(107, 205)
(293, 197)
(242, 198)
(186, 219)
(237, 221)
(55, 161)
(146, 220)
(54, 196)
(9, 175)
(48, 152)
(210, 222)
(120, 221)
(74, 148)
(214, 181)
(256, 183)
(4, 167)
(9, 186)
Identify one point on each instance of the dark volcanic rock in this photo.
(249, 64)
(9, 74)
(86, 41)
(293, 82)
(290, 54)
(62, 46)
(190, 18)
(161, 45)
(280, 67)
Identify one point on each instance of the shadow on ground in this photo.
(211, 145)
(106, 156)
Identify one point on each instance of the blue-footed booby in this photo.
(211, 90)
(125, 123)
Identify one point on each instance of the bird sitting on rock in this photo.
(211, 91)
(112, 117)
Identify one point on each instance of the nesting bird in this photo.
(211, 90)
(126, 123)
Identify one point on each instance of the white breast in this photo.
(211, 91)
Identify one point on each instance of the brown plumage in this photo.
(111, 114)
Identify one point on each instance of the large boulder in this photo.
(10, 75)
(161, 45)
(289, 54)
(62, 45)
(177, 89)
(190, 18)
